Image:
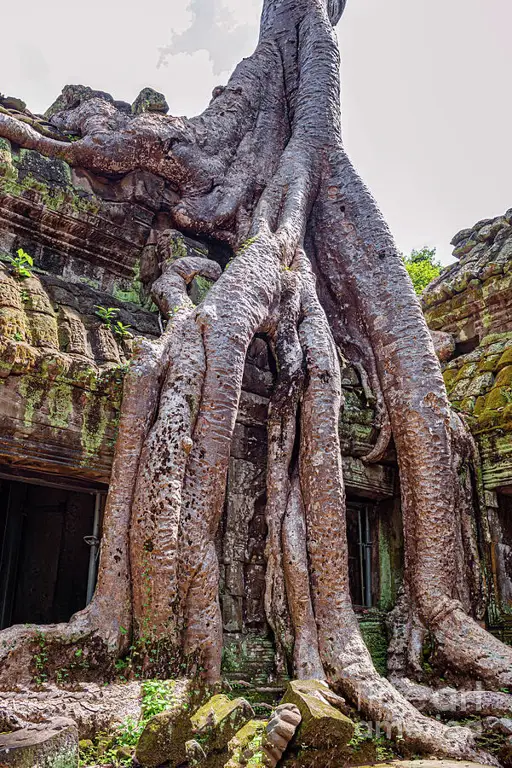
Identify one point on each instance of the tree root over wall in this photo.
(264, 170)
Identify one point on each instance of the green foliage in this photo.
(107, 314)
(423, 267)
(157, 696)
(41, 659)
(21, 264)
(385, 749)
(230, 658)
(117, 748)
(122, 330)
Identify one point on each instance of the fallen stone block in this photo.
(322, 725)
(164, 739)
(217, 721)
(53, 744)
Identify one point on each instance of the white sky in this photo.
(426, 86)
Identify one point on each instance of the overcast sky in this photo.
(427, 101)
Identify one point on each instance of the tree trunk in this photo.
(264, 170)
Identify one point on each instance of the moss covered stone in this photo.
(505, 359)
(322, 725)
(504, 378)
(150, 100)
(497, 398)
(247, 741)
(51, 744)
(218, 721)
(164, 739)
(374, 634)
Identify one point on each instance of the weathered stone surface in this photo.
(150, 100)
(51, 744)
(470, 302)
(73, 95)
(171, 736)
(93, 707)
(11, 102)
(322, 725)
(63, 372)
(245, 746)
(164, 738)
(499, 725)
(217, 721)
(195, 753)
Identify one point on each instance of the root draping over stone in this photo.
(316, 270)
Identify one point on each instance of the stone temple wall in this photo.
(469, 308)
(100, 242)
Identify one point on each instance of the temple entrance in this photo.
(363, 554)
(49, 536)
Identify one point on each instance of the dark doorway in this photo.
(45, 552)
(363, 555)
(505, 545)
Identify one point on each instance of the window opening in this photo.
(49, 548)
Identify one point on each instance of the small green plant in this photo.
(18, 336)
(106, 314)
(21, 264)
(116, 748)
(122, 330)
(41, 659)
(384, 750)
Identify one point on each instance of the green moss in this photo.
(219, 720)
(95, 421)
(468, 404)
(178, 247)
(89, 281)
(130, 292)
(504, 378)
(32, 392)
(480, 405)
(489, 363)
(505, 359)
(495, 338)
(322, 725)
(450, 375)
(497, 398)
(467, 371)
(60, 404)
(50, 179)
(374, 634)
(202, 285)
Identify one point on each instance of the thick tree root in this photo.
(267, 158)
(102, 631)
(453, 702)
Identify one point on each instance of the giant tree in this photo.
(316, 270)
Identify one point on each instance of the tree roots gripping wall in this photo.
(315, 268)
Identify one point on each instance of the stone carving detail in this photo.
(279, 732)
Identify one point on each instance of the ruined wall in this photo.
(470, 308)
(99, 242)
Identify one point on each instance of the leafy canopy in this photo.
(423, 267)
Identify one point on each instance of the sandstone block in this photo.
(322, 725)
(53, 744)
(217, 721)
